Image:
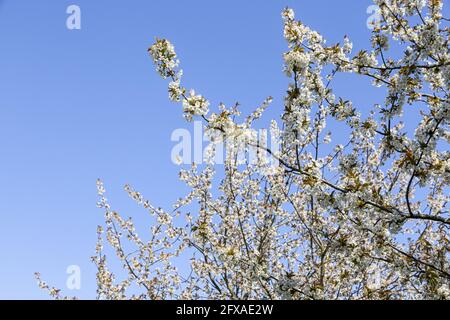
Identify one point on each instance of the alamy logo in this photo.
(74, 279)
(73, 22)
(250, 147)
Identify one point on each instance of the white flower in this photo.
(348, 46)
(195, 105)
(295, 61)
(288, 14)
(164, 56)
(175, 91)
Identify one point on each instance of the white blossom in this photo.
(361, 216)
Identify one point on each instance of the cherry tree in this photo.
(364, 218)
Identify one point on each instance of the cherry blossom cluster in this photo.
(362, 218)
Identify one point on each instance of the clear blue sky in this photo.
(82, 104)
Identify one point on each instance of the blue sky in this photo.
(76, 105)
